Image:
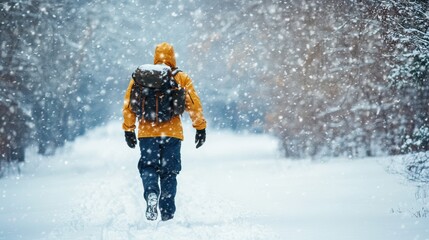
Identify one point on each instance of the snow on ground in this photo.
(234, 187)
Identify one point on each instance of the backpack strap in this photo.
(175, 72)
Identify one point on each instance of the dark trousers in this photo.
(159, 165)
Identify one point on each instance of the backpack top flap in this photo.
(152, 76)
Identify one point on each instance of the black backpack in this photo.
(155, 95)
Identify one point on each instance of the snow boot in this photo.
(152, 205)
(166, 217)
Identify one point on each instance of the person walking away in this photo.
(160, 142)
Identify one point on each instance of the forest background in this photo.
(328, 78)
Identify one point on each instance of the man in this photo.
(160, 143)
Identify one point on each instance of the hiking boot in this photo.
(166, 217)
(152, 205)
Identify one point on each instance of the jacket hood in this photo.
(164, 54)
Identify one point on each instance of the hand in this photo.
(200, 137)
(131, 139)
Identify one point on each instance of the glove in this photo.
(200, 137)
(130, 137)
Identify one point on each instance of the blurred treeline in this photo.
(328, 78)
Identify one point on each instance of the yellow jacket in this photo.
(164, 54)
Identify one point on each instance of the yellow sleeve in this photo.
(129, 123)
(193, 103)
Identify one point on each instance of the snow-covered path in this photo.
(234, 187)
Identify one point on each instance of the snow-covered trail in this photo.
(234, 187)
